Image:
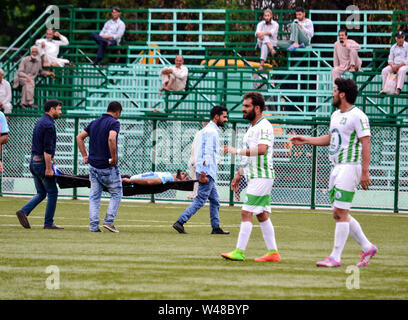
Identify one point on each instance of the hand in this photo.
(49, 173)
(395, 68)
(203, 178)
(46, 64)
(126, 180)
(43, 44)
(1, 167)
(113, 162)
(28, 79)
(365, 180)
(57, 34)
(298, 140)
(85, 159)
(52, 74)
(229, 149)
(345, 43)
(235, 182)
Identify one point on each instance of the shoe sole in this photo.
(22, 218)
(111, 230)
(228, 258)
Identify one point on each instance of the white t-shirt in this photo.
(346, 128)
(259, 166)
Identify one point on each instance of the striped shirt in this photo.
(259, 166)
(346, 128)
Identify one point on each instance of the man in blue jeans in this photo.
(103, 170)
(206, 159)
(42, 156)
(110, 35)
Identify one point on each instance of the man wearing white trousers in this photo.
(258, 169)
(397, 62)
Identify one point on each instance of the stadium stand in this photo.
(218, 46)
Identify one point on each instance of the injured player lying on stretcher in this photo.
(156, 178)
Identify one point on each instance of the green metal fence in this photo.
(165, 145)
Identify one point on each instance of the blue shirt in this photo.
(3, 124)
(44, 136)
(98, 131)
(208, 150)
(164, 176)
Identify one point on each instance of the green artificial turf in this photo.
(148, 259)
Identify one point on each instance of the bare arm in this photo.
(315, 141)
(48, 165)
(144, 182)
(259, 150)
(365, 152)
(81, 145)
(112, 147)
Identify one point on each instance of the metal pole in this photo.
(314, 171)
(154, 148)
(397, 168)
(76, 131)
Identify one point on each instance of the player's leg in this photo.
(243, 238)
(268, 233)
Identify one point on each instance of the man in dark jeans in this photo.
(42, 156)
(110, 35)
(103, 170)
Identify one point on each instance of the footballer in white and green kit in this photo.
(346, 129)
(258, 169)
(257, 166)
(349, 152)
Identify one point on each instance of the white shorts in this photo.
(258, 195)
(344, 180)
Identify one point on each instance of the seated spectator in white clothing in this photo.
(174, 78)
(5, 94)
(49, 49)
(397, 62)
(267, 34)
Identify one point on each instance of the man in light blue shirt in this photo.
(110, 35)
(206, 159)
(397, 62)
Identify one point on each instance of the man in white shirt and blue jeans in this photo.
(110, 35)
(397, 62)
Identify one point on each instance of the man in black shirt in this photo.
(103, 170)
(42, 156)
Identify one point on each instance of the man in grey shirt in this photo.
(28, 70)
(397, 62)
(302, 30)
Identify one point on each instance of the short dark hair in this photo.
(116, 9)
(257, 99)
(51, 104)
(343, 30)
(217, 110)
(300, 9)
(114, 106)
(349, 87)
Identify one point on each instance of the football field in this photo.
(148, 259)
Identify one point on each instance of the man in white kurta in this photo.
(174, 78)
(5, 94)
(49, 49)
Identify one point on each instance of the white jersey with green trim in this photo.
(259, 166)
(346, 128)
